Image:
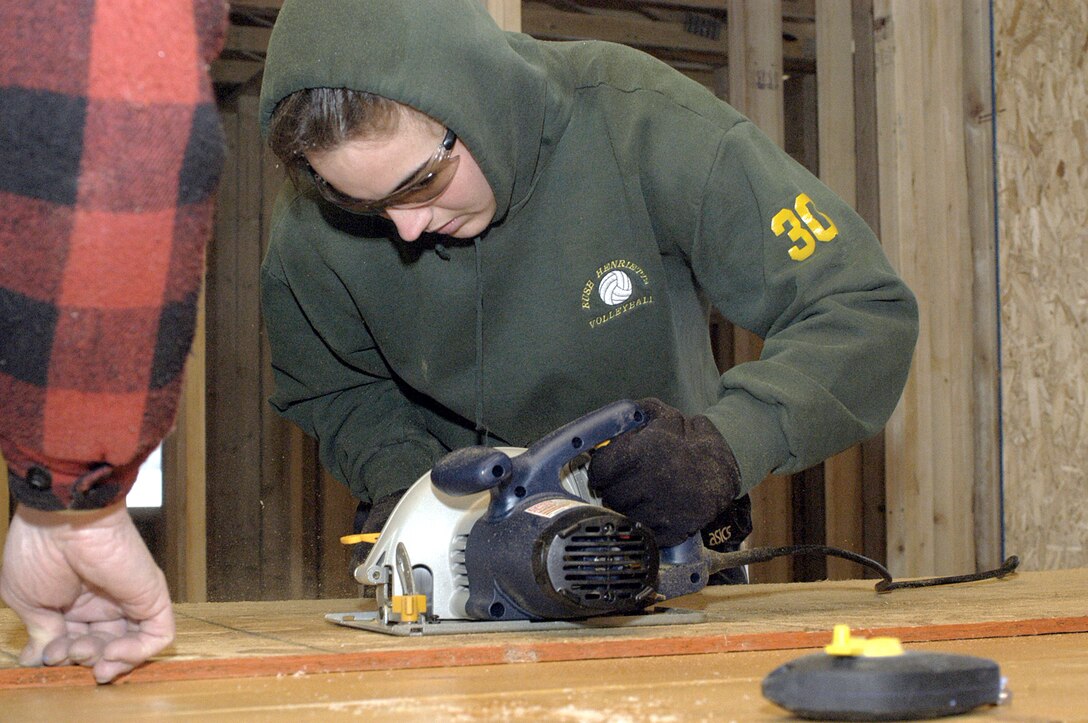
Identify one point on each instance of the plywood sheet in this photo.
(1041, 69)
(245, 639)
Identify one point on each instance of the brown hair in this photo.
(320, 119)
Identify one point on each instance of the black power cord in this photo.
(1007, 568)
(724, 560)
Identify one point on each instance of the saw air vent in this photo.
(457, 561)
(604, 562)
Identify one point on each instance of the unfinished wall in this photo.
(926, 232)
(1042, 170)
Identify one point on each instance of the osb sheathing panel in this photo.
(1042, 156)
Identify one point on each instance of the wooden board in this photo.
(926, 233)
(1046, 676)
(755, 89)
(232, 640)
(843, 474)
(978, 145)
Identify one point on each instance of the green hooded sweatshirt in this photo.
(630, 201)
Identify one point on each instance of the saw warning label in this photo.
(551, 508)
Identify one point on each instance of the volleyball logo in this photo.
(615, 287)
(614, 283)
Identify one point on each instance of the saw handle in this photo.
(470, 470)
(537, 470)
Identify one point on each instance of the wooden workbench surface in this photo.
(246, 639)
(1046, 676)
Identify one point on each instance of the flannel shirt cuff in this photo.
(99, 486)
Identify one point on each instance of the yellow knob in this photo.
(409, 607)
(845, 644)
(882, 648)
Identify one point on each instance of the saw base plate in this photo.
(655, 616)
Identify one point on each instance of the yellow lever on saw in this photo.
(370, 537)
(409, 607)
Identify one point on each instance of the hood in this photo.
(446, 58)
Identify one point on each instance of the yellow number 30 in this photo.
(802, 230)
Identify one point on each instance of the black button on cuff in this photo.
(34, 490)
(39, 478)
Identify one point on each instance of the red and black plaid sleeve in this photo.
(110, 152)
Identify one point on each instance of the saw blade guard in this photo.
(434, 527)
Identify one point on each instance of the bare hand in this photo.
(87, 589)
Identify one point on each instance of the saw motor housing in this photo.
(558, 558)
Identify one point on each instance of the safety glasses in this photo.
(422, 188)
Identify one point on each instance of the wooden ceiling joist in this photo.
(689, 34)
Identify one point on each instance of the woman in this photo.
(488, 236)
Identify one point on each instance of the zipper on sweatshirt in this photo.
(481, 430)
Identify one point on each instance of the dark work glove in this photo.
(725, 533)
(673, 475)
(371, 518)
